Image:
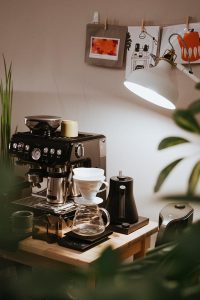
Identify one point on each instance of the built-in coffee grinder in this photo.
(122, 207)
(51, 157)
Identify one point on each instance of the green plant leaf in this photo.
(6, 95)
(194, 107)
(194, 178)
(197, 86)
(100, 267)
(171, 141)
(186, 120)
(164, 173)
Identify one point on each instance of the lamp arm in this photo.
(186, 72)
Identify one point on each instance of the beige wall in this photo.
(45, 39)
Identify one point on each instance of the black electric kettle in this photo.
(120, 202)
(173, 218)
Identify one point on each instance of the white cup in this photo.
(88, 172)
(89, 187)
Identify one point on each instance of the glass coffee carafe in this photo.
(88, 220)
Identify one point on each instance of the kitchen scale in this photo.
(83, 243)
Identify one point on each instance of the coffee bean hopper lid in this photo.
(42, 121)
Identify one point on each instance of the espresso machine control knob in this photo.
(36, 153)
(45, 150)
(27, 147)
(59, 152)
(52, 151)
(20, 146)
(14, 145)
(79, 150)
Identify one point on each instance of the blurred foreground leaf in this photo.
(194, 107)
(107, 265)
(164, 173)
(186, 120)
(171, 141)
(197, 86)
(194, 178)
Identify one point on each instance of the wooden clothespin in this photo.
(142, 26)
(187, 23)
(106, 24)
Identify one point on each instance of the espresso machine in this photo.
(51, 158)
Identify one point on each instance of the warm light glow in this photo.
(149, 95)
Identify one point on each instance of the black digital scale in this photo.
(83, 243)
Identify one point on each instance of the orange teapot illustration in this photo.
(192, 41)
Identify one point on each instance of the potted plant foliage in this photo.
(187, 120)
(10, 183)
(6, 162)
(6, 95)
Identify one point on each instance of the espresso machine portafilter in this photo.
(51, 158)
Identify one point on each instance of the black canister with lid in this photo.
(120, 202)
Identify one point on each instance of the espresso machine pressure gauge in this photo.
(36, 154)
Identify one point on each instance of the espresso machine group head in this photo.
(51, 158)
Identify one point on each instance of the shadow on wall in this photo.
(75, 105)
(41, 103)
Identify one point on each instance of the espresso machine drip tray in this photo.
(39, 204)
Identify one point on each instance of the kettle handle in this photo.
(122, 189)
(161, 232)
(107, 215)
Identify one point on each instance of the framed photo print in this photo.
(105, 47)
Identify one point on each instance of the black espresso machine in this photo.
(51, 158)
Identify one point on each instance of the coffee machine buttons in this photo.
(27, 147)
(79, 150)
(20, 146)
(14, 145)
(45, 150)
(36, 154)
(52, 151)
(59, 152)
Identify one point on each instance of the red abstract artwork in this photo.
(104, 48)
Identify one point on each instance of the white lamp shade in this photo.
(156, 84)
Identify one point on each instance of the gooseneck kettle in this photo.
(120, 202)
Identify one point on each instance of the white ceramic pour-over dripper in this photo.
(90, 186)
(88, 172)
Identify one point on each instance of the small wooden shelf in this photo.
(33, 252)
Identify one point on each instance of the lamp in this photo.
(156, 84)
